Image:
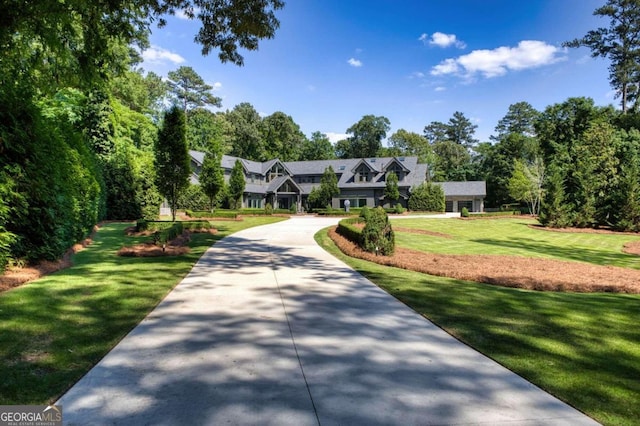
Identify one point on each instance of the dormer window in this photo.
(363, 174)
(398, 170)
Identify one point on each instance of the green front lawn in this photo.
(582, 348)
(515, 237)
(53, 330)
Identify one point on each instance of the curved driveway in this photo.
(269, 329)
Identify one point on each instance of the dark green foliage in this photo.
(189, 89)
(377, 235)
(163, 236)
(398, 209)
(120, 182)
(427, 197)
(173, 165)
(391, 190)
(268, 209)
(193, 198)
(211, 177)
(53, 185)
(319, 147)
(347, 229)
(322, 195)
(282, 137)
(364, 213)
(592, 166)
(236, 185)
(367, 135)
(246, 136)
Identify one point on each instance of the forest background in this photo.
(79, 124)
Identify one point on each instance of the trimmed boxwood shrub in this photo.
(163, 236)
(347, 229)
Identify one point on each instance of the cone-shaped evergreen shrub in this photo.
(377, 235)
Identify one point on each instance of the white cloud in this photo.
(335, 137)
(497, 62)
(354, 62)
(442, 40)
(448, 66)
(417, 74)
(156, 55)
(216, 86)
(181, 14)
(440, 89)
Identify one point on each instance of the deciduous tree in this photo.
(366, 136)
(319, 147)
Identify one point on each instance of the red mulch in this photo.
(16, 276)
(507, 271)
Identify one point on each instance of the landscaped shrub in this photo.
(399, 209)
(268, 209)
(196, 225)
(364, 213)
(377, 235)
(163, 236)
(57, 193)
(464, 212)
(193, 198)
(223, 214)
(347, 229)
(427, 197)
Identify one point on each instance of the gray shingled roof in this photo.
(461, 189)
(344, 169)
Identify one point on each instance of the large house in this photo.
(287, 184)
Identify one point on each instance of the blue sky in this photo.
(414, 62)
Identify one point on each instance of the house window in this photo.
(395, 168)
(467, 204)
(287, 187)
(354, 202)
(276, 171)
(363, 174)
(254, 202)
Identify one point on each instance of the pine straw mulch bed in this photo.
(15, 276)
(175, 247)
(506, 271)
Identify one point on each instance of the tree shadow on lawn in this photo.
(580, 347)
(366, 358)
(581, 254)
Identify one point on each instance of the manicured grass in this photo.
(582, 348)
(515, 237)
(52, 331)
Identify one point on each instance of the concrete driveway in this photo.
(268, 329)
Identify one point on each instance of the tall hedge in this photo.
(53, 186)
(427, 197)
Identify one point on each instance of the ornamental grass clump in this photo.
(377, 235)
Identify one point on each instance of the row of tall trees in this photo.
(78, 121)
